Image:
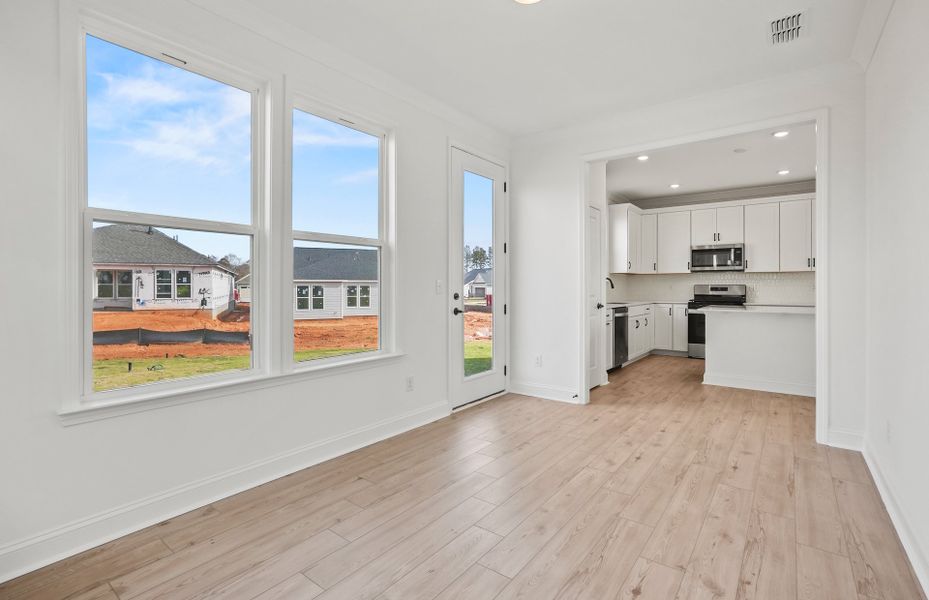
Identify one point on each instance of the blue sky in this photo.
(167, 141)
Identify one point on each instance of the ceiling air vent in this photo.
(788, 29)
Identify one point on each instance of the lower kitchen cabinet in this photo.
(679, 328)
(664, 326)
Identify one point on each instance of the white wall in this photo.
(64, 488)
(762, 288)
(545, 231)
(896, 442)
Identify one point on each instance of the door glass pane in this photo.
(478, 271)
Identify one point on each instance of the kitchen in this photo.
(710, 255)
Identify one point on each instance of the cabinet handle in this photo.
(814, 262)
(746, 263)
(669, 312)
(630, 265)
(654, 266)
(646, 322)
(688, 265)
(809, 262)
(636, 323)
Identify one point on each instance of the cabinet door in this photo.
(635, 336)
(649, 244)
(796, 235)
(813, 230)
(673, 254)
(729, 226)
(703, 227)
(619, 238)
(635, 242)
(680, 328)
(762, 238)
(648, 333)
(664, 326)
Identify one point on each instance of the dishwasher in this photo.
(620, 344)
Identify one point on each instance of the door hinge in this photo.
(504, 370)
(504, 309)
(504, 247)
(504, 187)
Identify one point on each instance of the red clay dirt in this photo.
(316, 334)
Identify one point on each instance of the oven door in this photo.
(717, 258)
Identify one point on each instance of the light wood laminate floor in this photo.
(661, 488)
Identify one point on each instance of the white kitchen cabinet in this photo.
(625, 238)
(813, 230)
(703, 227)
(648, 333)
(679, 328)
(663, 315)
(762, 238)
(673, 255)
(649, 259)
(716, 226)
(796, 235)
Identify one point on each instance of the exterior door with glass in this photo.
(477, 279)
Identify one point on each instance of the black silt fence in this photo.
(146, 337)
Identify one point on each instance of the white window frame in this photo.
(131, 284)
(363, 296)
(297, 297)
(158, 295)
(97, 284)
(384, 243)
(270, 228)
(350, 296)
(314, 297)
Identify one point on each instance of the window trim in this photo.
(131, 284)
(161, 282)
(321, 297)
(272, 238)
(190, 284)
(97, 284)
(298, 297)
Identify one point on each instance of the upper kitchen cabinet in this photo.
(762, 238)
(796, 235)
(673, 255)
(625, 238)
(710, 226)
(649, 262)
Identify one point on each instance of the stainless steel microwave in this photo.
(718, 257)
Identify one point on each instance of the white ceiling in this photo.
(713, 165)
(525, 68)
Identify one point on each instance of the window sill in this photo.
(87, 412)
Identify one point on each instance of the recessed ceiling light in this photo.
(674, 186)
(784, 172)
(740, 150)
(643, 157)
(528, 1)
(780, 134)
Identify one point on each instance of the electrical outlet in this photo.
(409, 383)
(538, 360)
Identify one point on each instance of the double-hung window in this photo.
(338, 199)
(170, 155)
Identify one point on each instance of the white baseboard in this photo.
(910, 541)
(34, 552)
(762, 385)
(845, 438)
(547, 392)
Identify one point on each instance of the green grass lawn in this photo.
(478, 356)
(114, 373)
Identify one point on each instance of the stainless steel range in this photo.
(708, 295)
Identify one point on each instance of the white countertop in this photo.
(641, 302)
(757, 309)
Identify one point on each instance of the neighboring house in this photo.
(332, 283)
(243, 285)
(479, 283)
(141, 268)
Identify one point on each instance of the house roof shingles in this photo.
(335, 264)
(486, 274)
(141, 245)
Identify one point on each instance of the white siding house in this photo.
(141, 268)
(479, 283)
(332, 283)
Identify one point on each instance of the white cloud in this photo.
(358, 177)
(140, 90)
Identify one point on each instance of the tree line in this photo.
(478, 257)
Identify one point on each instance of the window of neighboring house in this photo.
(167, 142)
(351, 296)
(303, 297)
(163, 287)
(104, 284)
(338, 192)
(182, 284)
(365, 298)
(124, 284)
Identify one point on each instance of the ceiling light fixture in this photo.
(784, 172)
(740, 150)
(643, 157)
(781, 134)
(527, 1)
(674, 186)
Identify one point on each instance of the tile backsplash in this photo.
(762, 288)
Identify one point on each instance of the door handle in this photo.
(599, 306)
(457, 311)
